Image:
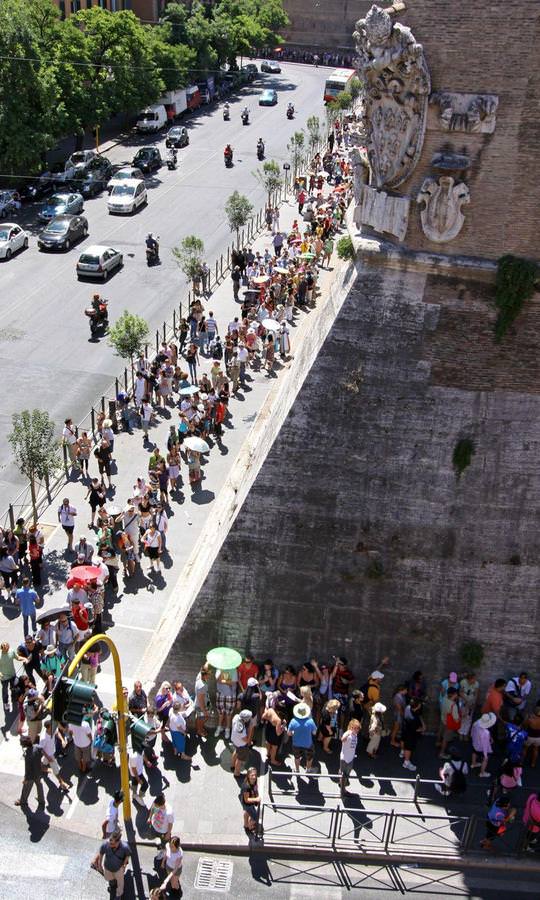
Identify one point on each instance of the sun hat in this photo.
(487, 720)
(301, 711)
(377, 674)
(252, 682)
(379, 707)
(245, 714)
(106, 423)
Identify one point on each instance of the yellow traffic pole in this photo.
(122, 713)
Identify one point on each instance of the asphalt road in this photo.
(46, 358)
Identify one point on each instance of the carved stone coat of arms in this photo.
(396, 88)
(441, 216)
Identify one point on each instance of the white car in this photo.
(81, 158)
(12, 238)
(98, 260)
(125, 174)
(127, 196)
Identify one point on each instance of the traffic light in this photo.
(138, 731)
(72, 700)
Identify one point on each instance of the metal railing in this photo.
(418, 787)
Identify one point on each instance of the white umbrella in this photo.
(197, 444)
(113, 510)
(190, 389)
(270, 324)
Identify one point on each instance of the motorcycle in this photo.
(98, 316)
(290, 112)
(226, 115)
(172, 162)
(228, 159)
(245, 118)
(152, 254)
(260, 151)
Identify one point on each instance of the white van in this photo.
(127, 197)
(152, 118)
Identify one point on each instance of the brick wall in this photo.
(326, 23)
(485, 48)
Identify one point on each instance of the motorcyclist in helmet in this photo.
(245, 112)
(228, 151)
(260, 146)
(151, 244)
(290, 107)
(172, 155)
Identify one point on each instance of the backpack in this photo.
(458, 782)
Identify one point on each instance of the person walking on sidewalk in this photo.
(8, 674)
(153, 546)
(349, 743)
(66, 517)
(251, 802)
(111, 860)
(302, 728)
(69, 440)
(26, 598)
(161, 820)
(240, 734)
(33, 773)
(47, 745)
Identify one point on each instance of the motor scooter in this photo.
(98, 316)
(172, 162)
(226, 114)
(152, 254)
(260, 151)
(290, 112)
(245, 118)
(228, 157)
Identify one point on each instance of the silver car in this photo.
(98, 261)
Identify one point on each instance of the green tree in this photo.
(27, 93)
(128, 336)
(314, 132)
(238, 210)
(270, 177)
(173, 61)
(355, 88)
(189, 257)
(35, 448)
(296, 148)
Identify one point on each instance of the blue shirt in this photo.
(26, 598)
(302, 732)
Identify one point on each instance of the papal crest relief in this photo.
(396, 88)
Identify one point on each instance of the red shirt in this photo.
(493, 702)
(80, 616)
(245, 671)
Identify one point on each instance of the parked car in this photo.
(36, 188)
(128, 172)
(127, 197)
(12, 238)
(270, 65)
(82, 158)
(61, 173)
(147, 159)
(62, 232)
(98, 261)
(252, 68)
(60, 205)
(10, 202)
(177, 137)
(268, 98)
(94, 179)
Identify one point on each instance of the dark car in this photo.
(62, 232)
(147, 159)
(177, 137)
(36, 189)
(94, 179)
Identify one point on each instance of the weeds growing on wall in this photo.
(462, 455)
(472, 654)
(345, 248)
(514, 284)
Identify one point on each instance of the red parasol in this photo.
(82, 575)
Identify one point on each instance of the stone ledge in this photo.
(376, 251)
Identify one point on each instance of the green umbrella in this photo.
(223, 658)
(307, 256)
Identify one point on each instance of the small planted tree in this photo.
(35, 448)
(189, 257)
(270, 177)
(314, 132)
(355, 87)
(128, 336)
(296, 148)
(238, 210)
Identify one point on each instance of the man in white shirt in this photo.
(234, 326)
(139, 783)
(84, 551)
(47, 746)
(243, 356)
(162, 523)
(69, 439)
(77, 593)
(82, 741)
(110, 823)
(516, 694)
(240, 731)
(211, 326)
(66, 517)
(67, 636)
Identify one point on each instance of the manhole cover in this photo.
(214, 875)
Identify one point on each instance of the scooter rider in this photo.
(290, 109)
(260, 147)
(226, 111)
(97, 303)
(152, 245)
(245, 114)
(228, 152)
(172, 157)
